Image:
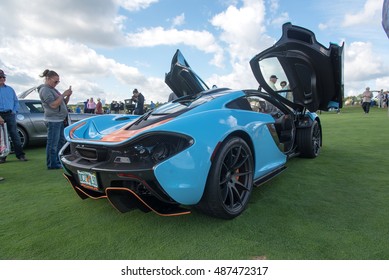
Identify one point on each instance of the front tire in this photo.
(230, 180)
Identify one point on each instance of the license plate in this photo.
(88, 179)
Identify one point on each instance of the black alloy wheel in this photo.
(309, 140)
(230, 181)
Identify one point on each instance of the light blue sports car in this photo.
(208, 148)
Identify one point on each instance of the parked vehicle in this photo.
(208, 148)
(31, 124)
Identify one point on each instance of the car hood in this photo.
(181, 79)
(314, 72)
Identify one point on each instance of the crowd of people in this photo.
(136, 106)
(284, 89)
(381, 99)
(92, 107)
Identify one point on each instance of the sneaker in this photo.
(2, 160)
(1, 179)
(23, 158)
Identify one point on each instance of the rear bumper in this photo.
(125, 199)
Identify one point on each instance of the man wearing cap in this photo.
(9, 106)
(273, 81)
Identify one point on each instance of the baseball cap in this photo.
(2, 73)
(273, 76)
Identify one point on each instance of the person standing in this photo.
(272, 82)
(367, 95)
(56, 113)
(9, 106)
(284, 86)
(140, 102)
(99, 107)
(86, 106)
(152, 105)
(172, 96)
(381, 97)
(115, 107)
(91, 106)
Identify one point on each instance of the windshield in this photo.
(185, 103)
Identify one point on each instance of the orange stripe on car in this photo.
(123, 134)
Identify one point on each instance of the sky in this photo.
(106, 48)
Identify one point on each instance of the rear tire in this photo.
(23, 137)
(230, 180)
(309, 140)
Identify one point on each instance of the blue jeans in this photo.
(55, 141)
(10, 120)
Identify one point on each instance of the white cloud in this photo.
(37, 38)
(323, 26)
(273, 6)
(281, 19)
(371, 11)
(364, 67)
(88, 21)
(157, 36)
(242, 29)
(77, 64)
(178, 20)
(275, 17)
(361, 62)
(243, 32)
(135, 5)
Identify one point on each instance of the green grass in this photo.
(333, 207)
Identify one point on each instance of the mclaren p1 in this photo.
(208, 148)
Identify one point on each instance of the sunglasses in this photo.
(2, 77)
(56, 82)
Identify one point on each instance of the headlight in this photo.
(144, 152)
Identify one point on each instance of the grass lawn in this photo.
(333, 207)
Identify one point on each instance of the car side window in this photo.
(262, 105)
(35, 107)
(258, 104)
(240, 103)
